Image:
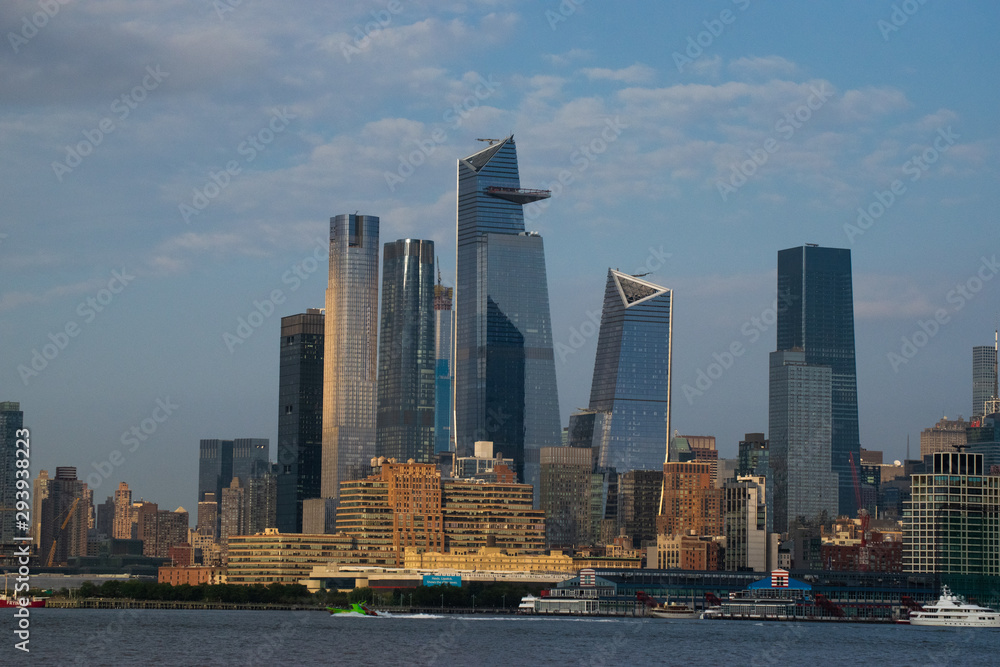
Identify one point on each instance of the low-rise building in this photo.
(490, 558)
(192, 576)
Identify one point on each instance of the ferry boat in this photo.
(953, 611)
(13, 601)
(674, 610)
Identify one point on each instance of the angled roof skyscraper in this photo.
(631, 382)
(505, 379)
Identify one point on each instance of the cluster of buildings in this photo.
(425, 434)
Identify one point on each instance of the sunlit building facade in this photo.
(351, 352)
(444, 369)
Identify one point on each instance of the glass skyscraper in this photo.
(404, 420)
(505, 376)
(816, 315)
(984, 377)
(444, 369)
(350, 357)
(300, 416)
(631, 381)
(799, 447)
(11, 421)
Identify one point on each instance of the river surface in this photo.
(188, 637)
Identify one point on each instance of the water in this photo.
(181, 637)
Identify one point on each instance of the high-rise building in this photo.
(232, 513)
(444, 370)
(11, 423)
(638, 504)
(171, 531)
(690, 501)
(250, 458)
(985, 439)
(948, 435)
(565, 487)
(816, 314)
(300, 416)
(799, 450)
(984, 377)
(631, 380)
(505, 378)
(753, 454)
(65, 518)
(39, 492)
(350, 356)
(962, 534)
(123, 521)
(261, 502)
(745, 523)
(208, 516)
(215, 466)
(145, 514)
(404, 420)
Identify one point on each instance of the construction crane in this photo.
(863, 516)
(69, 515)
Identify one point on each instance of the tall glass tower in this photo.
(816, 315)
(505, 376)
(632, 373)
(300, 415)
(984, 377)
(11, 421)
(404, 421)
(444, 370)
(350, 357)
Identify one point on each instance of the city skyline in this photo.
(145, 319)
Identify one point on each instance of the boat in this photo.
(953, 611)
(355, 608)
(527, 605)
(13, 601)
(674, 610)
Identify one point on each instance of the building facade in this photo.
(690, 503)
(351, 354)
(505, 380)
(952, 522)
(748, 541)
(404, 419)
(444, 369)
(124, 521)
(799, 423)
(300, 416)
(565, 493)
(945, 436)
(816, 314)
(631, 380)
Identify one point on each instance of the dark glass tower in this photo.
(444, 369)
(505, 378)
(404, 421)
(215, 467)
(351, 352)
(816, 315)
(300, 416)
(11, 421)
(632, 373)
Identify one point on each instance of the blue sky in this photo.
(168, 166)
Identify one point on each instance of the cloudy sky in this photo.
(170, 167)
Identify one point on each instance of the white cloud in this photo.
(637, 73)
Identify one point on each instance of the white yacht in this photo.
(952, 610)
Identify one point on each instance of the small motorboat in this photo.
(355, 608)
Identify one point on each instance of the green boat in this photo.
(355, 608)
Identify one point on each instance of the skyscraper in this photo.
(632, 373)
(215, 466)
(350, 356)
(444, 370)
(799, 449)
(816, 314)
(404, 421)
(64, 519)
(250, 458)
(11, 421)
(505, 378)
(984, 377)
(300, 416)
(123, 521)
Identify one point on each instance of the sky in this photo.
(169, 169)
